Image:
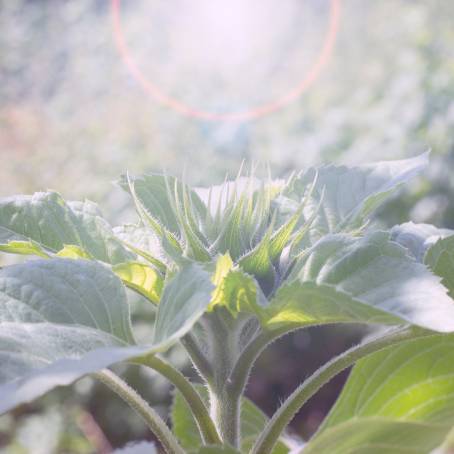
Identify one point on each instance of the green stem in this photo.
(274, 428)
(199, 410)
(197, 357)
(136, 402)
(225, 404)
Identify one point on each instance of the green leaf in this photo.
(24, 248)
(440, 258)
(377, 436)
(71, 251)
(55, 309)
(253, 421)
(48, 221)
(400, 399)
(351, 194)
(141, 278)
(185, 298)
(369, 279)
(61, 319)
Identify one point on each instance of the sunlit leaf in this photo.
(400, 399)
(141, 278)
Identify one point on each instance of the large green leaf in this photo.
(253, 421)
(61, 319)
(45, 219)
(400, 399)
(369, 279)
(350, 194)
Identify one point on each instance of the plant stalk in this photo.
(204, 422)
(136, 402)
(274, 428)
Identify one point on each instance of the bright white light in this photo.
(226, 54)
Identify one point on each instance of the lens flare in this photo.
(153, 90)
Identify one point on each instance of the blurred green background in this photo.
(73, 118)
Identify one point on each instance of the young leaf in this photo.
(141, 278)
(399, 399)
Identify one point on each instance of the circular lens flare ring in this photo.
(154, 91)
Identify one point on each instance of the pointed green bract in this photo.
(400, 398)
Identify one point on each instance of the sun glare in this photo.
(225, 60)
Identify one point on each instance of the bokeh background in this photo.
(73, 118)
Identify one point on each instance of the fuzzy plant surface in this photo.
(228, 270)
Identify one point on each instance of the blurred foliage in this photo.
(73, 119)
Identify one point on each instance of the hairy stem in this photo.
(273, 430)
(199, 410)
(224, 402)
(136, 402)
(197, 357)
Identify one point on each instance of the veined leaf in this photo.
(61, 319)
(399, 399)
(377, 436)
(253, 421)
(47, 220)
(141, 278)
(351, 194)
(369, 279)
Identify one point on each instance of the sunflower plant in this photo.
(228, 270)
